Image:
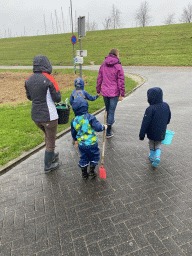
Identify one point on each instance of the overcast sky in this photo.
(35, 17)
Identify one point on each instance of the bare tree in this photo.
(87, 26)
(142, 14)
(91, 26)
(115, 17)
(107, 23)
(186, 16)
(170, 19)
(113, 21)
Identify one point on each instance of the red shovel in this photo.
(102, 171)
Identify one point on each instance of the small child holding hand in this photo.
(80, 92)
(83, 130)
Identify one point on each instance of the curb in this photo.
(141, 81)
(24, 156)
(32, 151)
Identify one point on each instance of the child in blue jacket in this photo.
(154, 123)
(80, 92)
(83, 130)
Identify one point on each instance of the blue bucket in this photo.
(168, 137)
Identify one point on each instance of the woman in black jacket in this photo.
(43, 91)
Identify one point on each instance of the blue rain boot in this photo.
(152, 155)
(157, 157)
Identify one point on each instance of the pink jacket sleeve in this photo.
(99, 79)
(121, 81)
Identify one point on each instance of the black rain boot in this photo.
(56, 157)
(85, 175)
(49, 166)
(109, 133)
(92, 172)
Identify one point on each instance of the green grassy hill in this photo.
(158, 45)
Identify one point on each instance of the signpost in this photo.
(81, 33)
(73, 39)
(78, 60)
(82, 53)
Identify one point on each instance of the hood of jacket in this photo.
(111, 60)
(155, 95)
(79, 83)
(80, 106)
(42, 64)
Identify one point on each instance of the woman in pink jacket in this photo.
(111, 85)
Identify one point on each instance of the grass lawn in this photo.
(19, 134)
(158, 45)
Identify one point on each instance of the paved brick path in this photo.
(136, 211)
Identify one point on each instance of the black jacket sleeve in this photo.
(27, 92)
(146, 122)
(169, 117)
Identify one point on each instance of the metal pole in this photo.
(72, 34)
(80, 65)
(73, 60)
(56, 21)
(45, 25)
(63, 20)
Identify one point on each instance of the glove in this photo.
(141, 138)
(76, 143)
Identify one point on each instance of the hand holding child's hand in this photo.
(121, 98)
(105, 126)
(76, 143)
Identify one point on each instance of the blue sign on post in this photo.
(74, 39)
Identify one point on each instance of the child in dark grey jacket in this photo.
(154, 123)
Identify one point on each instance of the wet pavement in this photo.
(138, 210)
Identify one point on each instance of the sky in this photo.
(40, 17)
